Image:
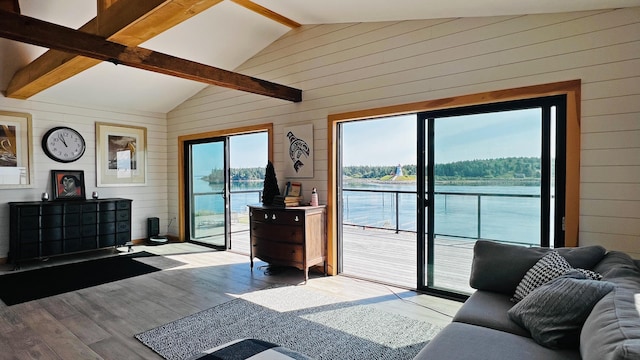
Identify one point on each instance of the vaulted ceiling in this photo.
(218, 35)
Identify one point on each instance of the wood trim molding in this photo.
(257, 8)
(208, 135)
(572, 191)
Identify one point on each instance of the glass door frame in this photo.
(426, 170)
(187, 193)
(182, 165)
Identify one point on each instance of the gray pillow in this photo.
(500, 267)
(555, 312)
(546, 269)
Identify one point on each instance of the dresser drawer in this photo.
(278, 216)
(29, 211)
(276, 232)
(29, 222)
(122, 215)
(123, 205)
(277, 252)
(51, 221)
(72, 208)
(107, 216)
(106, 206)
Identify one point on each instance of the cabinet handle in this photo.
(296, 219)
(266, 216)
(250, 213)
(273, 217)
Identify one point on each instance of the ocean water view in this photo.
(503, 213)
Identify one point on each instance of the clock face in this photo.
(63, 144)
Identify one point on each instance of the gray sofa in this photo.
(484, 328)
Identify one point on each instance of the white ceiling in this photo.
(226, 35)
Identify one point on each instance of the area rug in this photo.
(299, 318)
(19, 287)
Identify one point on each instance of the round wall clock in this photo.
(63, 144)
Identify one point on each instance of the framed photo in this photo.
(293, 189)
(16, 150)
(67, 184)
(298, 151)
(121, 155)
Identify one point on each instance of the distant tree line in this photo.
(505, 168)
(375, 172)
(217, 176)
(511, 167)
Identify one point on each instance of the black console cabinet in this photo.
(44, 229)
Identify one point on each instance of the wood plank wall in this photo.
(351, 67)
(148, 201)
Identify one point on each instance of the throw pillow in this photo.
(546, 269)
(555, 312)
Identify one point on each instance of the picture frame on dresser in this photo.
(67, 185)
(121, 155)
(16, 150)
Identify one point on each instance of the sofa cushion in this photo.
(500, 267)
(460, 341)
(612, 330)
(489, 309)
(549, 267)
(555, 312)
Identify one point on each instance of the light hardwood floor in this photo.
(100, 322)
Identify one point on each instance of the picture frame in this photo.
(121, 155)
(293, 188)
(16, 150)
(67, 185)
(298, 151)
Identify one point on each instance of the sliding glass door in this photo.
(207, 198)
(489, 173)
(486, 172)
(222, 176)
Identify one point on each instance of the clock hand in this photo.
(62, 139)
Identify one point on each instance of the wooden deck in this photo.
(386, 257)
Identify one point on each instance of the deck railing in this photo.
(513, 218)
(503, 217)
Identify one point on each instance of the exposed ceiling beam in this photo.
(129, 22)
(37, 32)
(267, 13)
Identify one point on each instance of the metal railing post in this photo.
(479, 216)
(397, 213)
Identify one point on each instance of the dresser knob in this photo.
(296, 218)
(273, 217)
(266, 216)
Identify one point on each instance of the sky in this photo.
(245, 151)
(392, 141)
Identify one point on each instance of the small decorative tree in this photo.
(270, 185)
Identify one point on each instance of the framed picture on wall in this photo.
(67, 184)
(16, 151)
(121, 155)
(298, 151)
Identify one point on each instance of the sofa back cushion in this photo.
(500, 267)
(612, 330)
